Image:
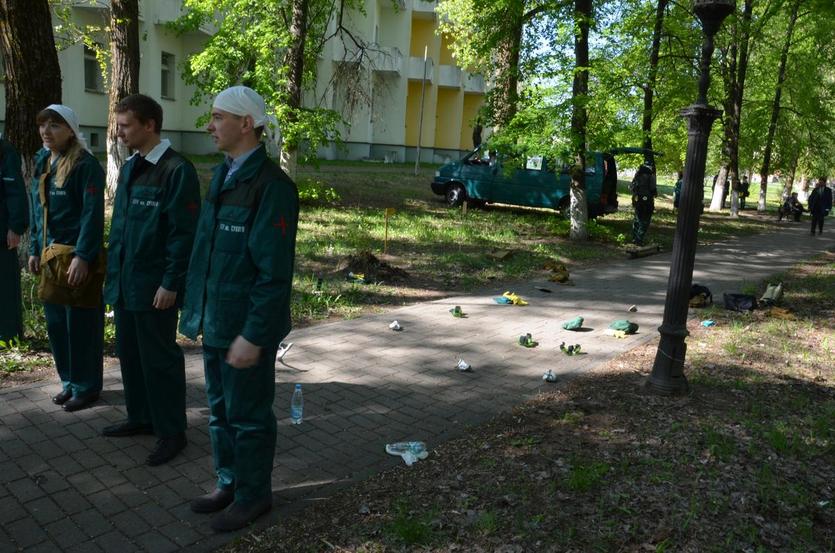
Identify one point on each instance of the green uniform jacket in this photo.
(152, 231)
(241, 270)
(76, 210)
(14, 208)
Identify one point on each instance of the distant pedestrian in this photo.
(477, 130)
(677, 190)
(820, 203)
(14, 219)
(744, 191)
(644, 191)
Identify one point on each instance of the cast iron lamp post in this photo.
(668, 370)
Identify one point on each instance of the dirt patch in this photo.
(373, 269)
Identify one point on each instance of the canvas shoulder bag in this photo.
(55, 263)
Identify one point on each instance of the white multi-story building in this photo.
(387, 81)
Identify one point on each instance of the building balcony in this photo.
(385, 59)
(473, 82)
(423, 8)
(449, 76)
(415, 71)
(396, 5)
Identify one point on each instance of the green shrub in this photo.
(316, 192)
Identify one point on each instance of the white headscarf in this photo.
(72, 120)
(242, 101)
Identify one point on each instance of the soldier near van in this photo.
(238, 297)
(643, 191)
(154, 220)
(477, 129)
(14, 219)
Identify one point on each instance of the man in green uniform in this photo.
(151, 234)
(14, 218)
(238, 295)
(644, 191)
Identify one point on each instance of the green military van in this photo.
(484, 177)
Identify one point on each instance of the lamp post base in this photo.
(667, 377)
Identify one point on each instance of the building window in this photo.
(94, 140)
(93, 81)
(167, 76)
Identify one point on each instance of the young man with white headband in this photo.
(238, 296)
(151, 234)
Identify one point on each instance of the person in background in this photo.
(14, 220)
(238, 296)
(744, 191)
(644, 191)
(151, 234)
(820, 204)
(791, 207)
(677, 190)
(73, 182)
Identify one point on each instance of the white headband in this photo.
(242, 101)
(68, 115)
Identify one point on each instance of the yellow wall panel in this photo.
(423, 34)
(447, 118)
(472, 102)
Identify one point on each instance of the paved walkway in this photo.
(64, 488)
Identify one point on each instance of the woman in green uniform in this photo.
(73, 181)
(14, 218)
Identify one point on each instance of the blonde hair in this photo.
(68, 158)
(66, 162)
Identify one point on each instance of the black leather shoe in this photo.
(166, 449)
(237, 516)
(76, 403)
(62, 397)
(213, 502)
(127, 428)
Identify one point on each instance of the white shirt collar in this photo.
(156, 152)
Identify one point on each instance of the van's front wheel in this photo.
(455, 195)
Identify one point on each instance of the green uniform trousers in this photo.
(643, 217)
(76, 336)
(153, 369)
(241, 422)
(11, 316)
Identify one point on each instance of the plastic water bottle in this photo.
(297, 405)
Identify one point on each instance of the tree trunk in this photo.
(505, 94)
(789, 184)
(649, 89)
(735, 113)
(775, 109)
(579, 118)
(33, 76)
(124, 78)
(294, 60)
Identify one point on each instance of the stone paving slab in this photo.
(64, 488)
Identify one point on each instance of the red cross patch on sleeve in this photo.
(282, 224)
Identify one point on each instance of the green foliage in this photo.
(315, 192)
(248, 47)
(585, 475)
(409, 527)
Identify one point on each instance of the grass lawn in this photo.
(745, 462)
